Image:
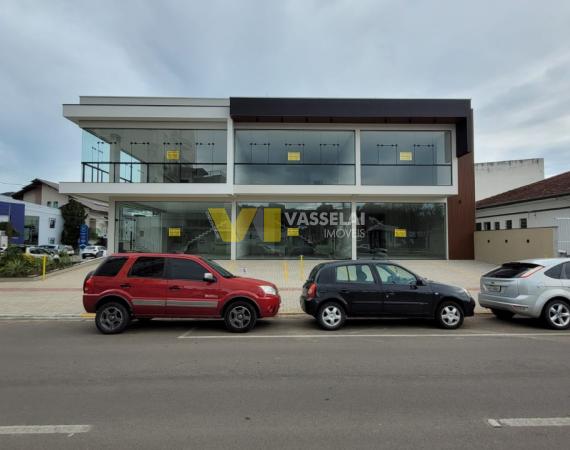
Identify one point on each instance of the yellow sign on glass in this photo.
(406, 156)
(400, 233)
(294, 156)
(174, 232)
(173, 155)
(292, 231)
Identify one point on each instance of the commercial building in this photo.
(493, 178)
(275, 178)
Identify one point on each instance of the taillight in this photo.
(529, 272)
(312, 291)
(88, 283)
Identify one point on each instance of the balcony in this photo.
(151, 172)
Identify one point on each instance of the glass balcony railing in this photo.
(145, 172)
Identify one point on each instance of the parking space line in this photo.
(44, 429)
(375, 335)
(530, 422)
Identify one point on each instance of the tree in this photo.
(73, 217)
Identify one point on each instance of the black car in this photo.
(337, 290)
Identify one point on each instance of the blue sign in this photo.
(83, 235)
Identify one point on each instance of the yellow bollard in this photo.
(302, 269)
(285, 271)
(44, 262)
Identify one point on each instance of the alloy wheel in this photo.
(559, 315)
(240, 317)
(331, 315)
(450, 315)
(112, 318)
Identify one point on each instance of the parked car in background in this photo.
(59, 248)
(146, 285)
(38, 252)
(93, 251)
(537, 288)
(335, 291)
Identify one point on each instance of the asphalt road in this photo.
(374, 384)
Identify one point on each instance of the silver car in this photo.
(534, 287)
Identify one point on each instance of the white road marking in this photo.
(344, 335)
(45, 429)
(531, 422)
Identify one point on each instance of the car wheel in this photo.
(556, 314)
(449, 315)
(331, 316)
(112, 318)
(502, 314)
(240, 317)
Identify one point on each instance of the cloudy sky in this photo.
(512, 58)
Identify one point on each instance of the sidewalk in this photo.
(59, 296)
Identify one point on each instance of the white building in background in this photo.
(545, 203)
(492, 178)
(42, 224)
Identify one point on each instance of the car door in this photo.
(358, 286)
(403, 295)
(188, 294)
(566, 277)
(145, 284)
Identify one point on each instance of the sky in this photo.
(511, 58)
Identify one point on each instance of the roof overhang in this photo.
(335, 110)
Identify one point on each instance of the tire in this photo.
(556, 314)
(502, 314)
(449, 315)
(240, 317)
(331, 316)
(112, 318)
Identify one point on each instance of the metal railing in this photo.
(152, 172)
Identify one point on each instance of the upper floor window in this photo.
(52, 222)
(294, 157)
(509, 224)
(121, 155)
(49, 204)
(523, 223)
(406, 158)
(56, 204)
(478, 226)
(497, 225)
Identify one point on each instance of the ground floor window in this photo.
(401, 230)
(289, 230)
(173, 227)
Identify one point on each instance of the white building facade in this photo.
(492, 178)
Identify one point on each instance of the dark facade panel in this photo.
(333, 110)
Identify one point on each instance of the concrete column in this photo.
(233, 244)
(112, 243)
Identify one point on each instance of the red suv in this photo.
(147, 285)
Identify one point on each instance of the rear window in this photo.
(354, 274)
(110, 267)
(510, 270)
(147, 267)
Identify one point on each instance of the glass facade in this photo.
(294, 157)
(406, 158)
(154, 156)
(31, 230)
(289, 230)
(170, 227)
(401, 230)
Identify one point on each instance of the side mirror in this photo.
(420, 282)
(210, 278)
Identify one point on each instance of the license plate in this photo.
(494, 288)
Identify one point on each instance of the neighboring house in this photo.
(323, 178)
(543, 204)
(46, 193)
(492, 178)
(35, 224)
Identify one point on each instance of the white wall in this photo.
(492, 178)
(539, 213)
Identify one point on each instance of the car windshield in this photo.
(223, 272)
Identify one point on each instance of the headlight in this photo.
(268, 290)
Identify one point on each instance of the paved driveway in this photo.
(60, 295)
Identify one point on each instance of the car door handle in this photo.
(125, 286)
(344, 291)
(174, 288)
(390, 294)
